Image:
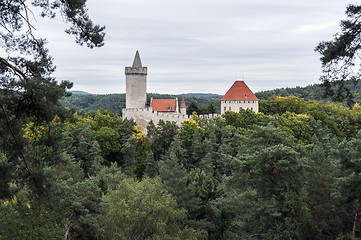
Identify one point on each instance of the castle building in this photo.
(136, 99)
(238, 97)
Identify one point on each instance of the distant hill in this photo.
(115, 102)
(79, 92)
(311, 92)
(206, 95)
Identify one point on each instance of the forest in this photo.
(291, 171)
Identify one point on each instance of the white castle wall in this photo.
(235, 106)
(142, 116)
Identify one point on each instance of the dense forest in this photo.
(291, 171)
(288, 172)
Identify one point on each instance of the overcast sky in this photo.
(198, 45)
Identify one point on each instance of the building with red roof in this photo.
(163, 105)
(238, 97)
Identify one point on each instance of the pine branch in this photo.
(16, 70)
(19, 148)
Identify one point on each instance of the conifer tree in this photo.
(323, 186)
(268, 180)
(207, 164)
(175, 177)
(198, 150)
(340, 55)
(350, 152)
(144, 210)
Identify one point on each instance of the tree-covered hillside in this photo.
(313, 92)
(115, 102)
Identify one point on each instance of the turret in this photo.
(183, 108)
(136, 84)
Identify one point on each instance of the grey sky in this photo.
(198, 45)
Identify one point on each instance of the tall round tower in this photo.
(136, 84)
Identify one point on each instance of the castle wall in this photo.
(235, 106)
(142, 116)
(183, 111)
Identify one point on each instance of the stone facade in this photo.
(237, 105)
(136, 99)
(142, 116)
(136, 84)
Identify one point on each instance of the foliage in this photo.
(187, 131)
(280, 105)
(340, 55)
(313, 92)
(291, 171)
(144, 210)
(242, 120)
(271, 178)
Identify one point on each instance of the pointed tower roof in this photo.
(137, 62)
(183, 104)
(137, 68)
(239, 91)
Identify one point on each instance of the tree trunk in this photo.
(355, 221)
(68, 227)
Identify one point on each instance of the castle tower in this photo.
(136, 84)
(183, 108)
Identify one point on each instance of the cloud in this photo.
(199, 45)
(315, 27)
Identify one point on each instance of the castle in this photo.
(239, 96)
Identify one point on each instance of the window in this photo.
(225, 108)
(240, 108)
(251, 108)
(230, 108)
(245, 96)
(169, 108)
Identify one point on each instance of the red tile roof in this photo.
(161, 105)
(239, 91)
(183, 104)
